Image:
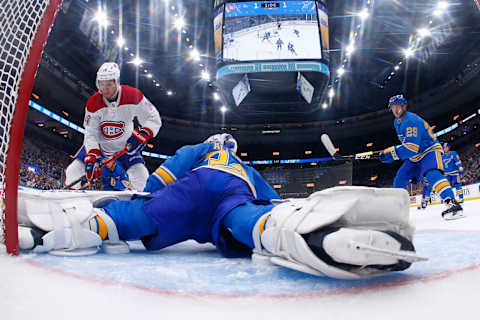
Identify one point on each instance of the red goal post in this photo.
(24, 29)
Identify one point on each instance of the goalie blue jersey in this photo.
(215, 157)
(416, 137)
(199, 186)
(452, 163)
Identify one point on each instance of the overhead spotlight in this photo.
(223, 109)
(179, 23)
(120, 41)
(331, 93)
(195, 55)
(205, 75)
(126, 48)
(157, 85)
(364, 14)
(324, 105)
(396, 67)
(442, 5)
(408, 52)
(169, 92)
(341, 71)
(424, 32)
(101, 18)
(216, 96)
(137, 61)
(149, 75)
(350, 48)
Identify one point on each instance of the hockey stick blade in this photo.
(327, 143)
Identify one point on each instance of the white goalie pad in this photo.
(65, 216)
(359, 212)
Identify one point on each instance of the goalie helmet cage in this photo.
(24, 28)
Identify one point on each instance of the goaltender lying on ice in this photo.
(341, 232)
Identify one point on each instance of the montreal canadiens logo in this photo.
(112, 129)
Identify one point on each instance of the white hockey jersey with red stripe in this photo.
(108, 125)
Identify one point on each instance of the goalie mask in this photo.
(224, 139)
(108, 71)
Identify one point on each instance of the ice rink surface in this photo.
(250, 46)
(192, 281)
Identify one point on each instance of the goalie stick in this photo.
(336, 156)
(103, 164)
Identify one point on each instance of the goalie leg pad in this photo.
(372, 213)
(65, 223)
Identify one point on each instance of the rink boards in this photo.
(470, 192)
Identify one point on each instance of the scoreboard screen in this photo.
(271, 5)
(271, 30)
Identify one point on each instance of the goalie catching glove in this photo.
(342, 232)
(138, 140)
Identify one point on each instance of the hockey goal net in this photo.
(24, 28)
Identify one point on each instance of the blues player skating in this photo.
(279, 44)
(291, 48)
(422, 154)
(453, 170)
(207, 194)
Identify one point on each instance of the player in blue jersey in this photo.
(426, 199)
(422, 154)
(279, 44)
(453, 169)
(291, 48)
(206, 193)
(114, 177)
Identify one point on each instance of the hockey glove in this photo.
(388, 155)
(153, 184)
(138, 140)
(92, 168)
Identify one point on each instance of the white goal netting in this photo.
(24, 26)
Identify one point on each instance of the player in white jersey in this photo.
(109, 129)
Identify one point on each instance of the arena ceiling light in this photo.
(121, 42)
(216, 96)
(341, 71)
(350, 48)
(440, 9)
(331, 93)
(408, 52)
(364, 14)
(179, 23)
(101, 18)
(195, 55)
(424, 32)
(325, 105)
(223, 109)
(137, 61)
(169, 92)
(205, 75)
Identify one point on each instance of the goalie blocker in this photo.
(342, 232)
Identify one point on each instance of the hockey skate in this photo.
(454, 210)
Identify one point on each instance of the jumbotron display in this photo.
(271, 30)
